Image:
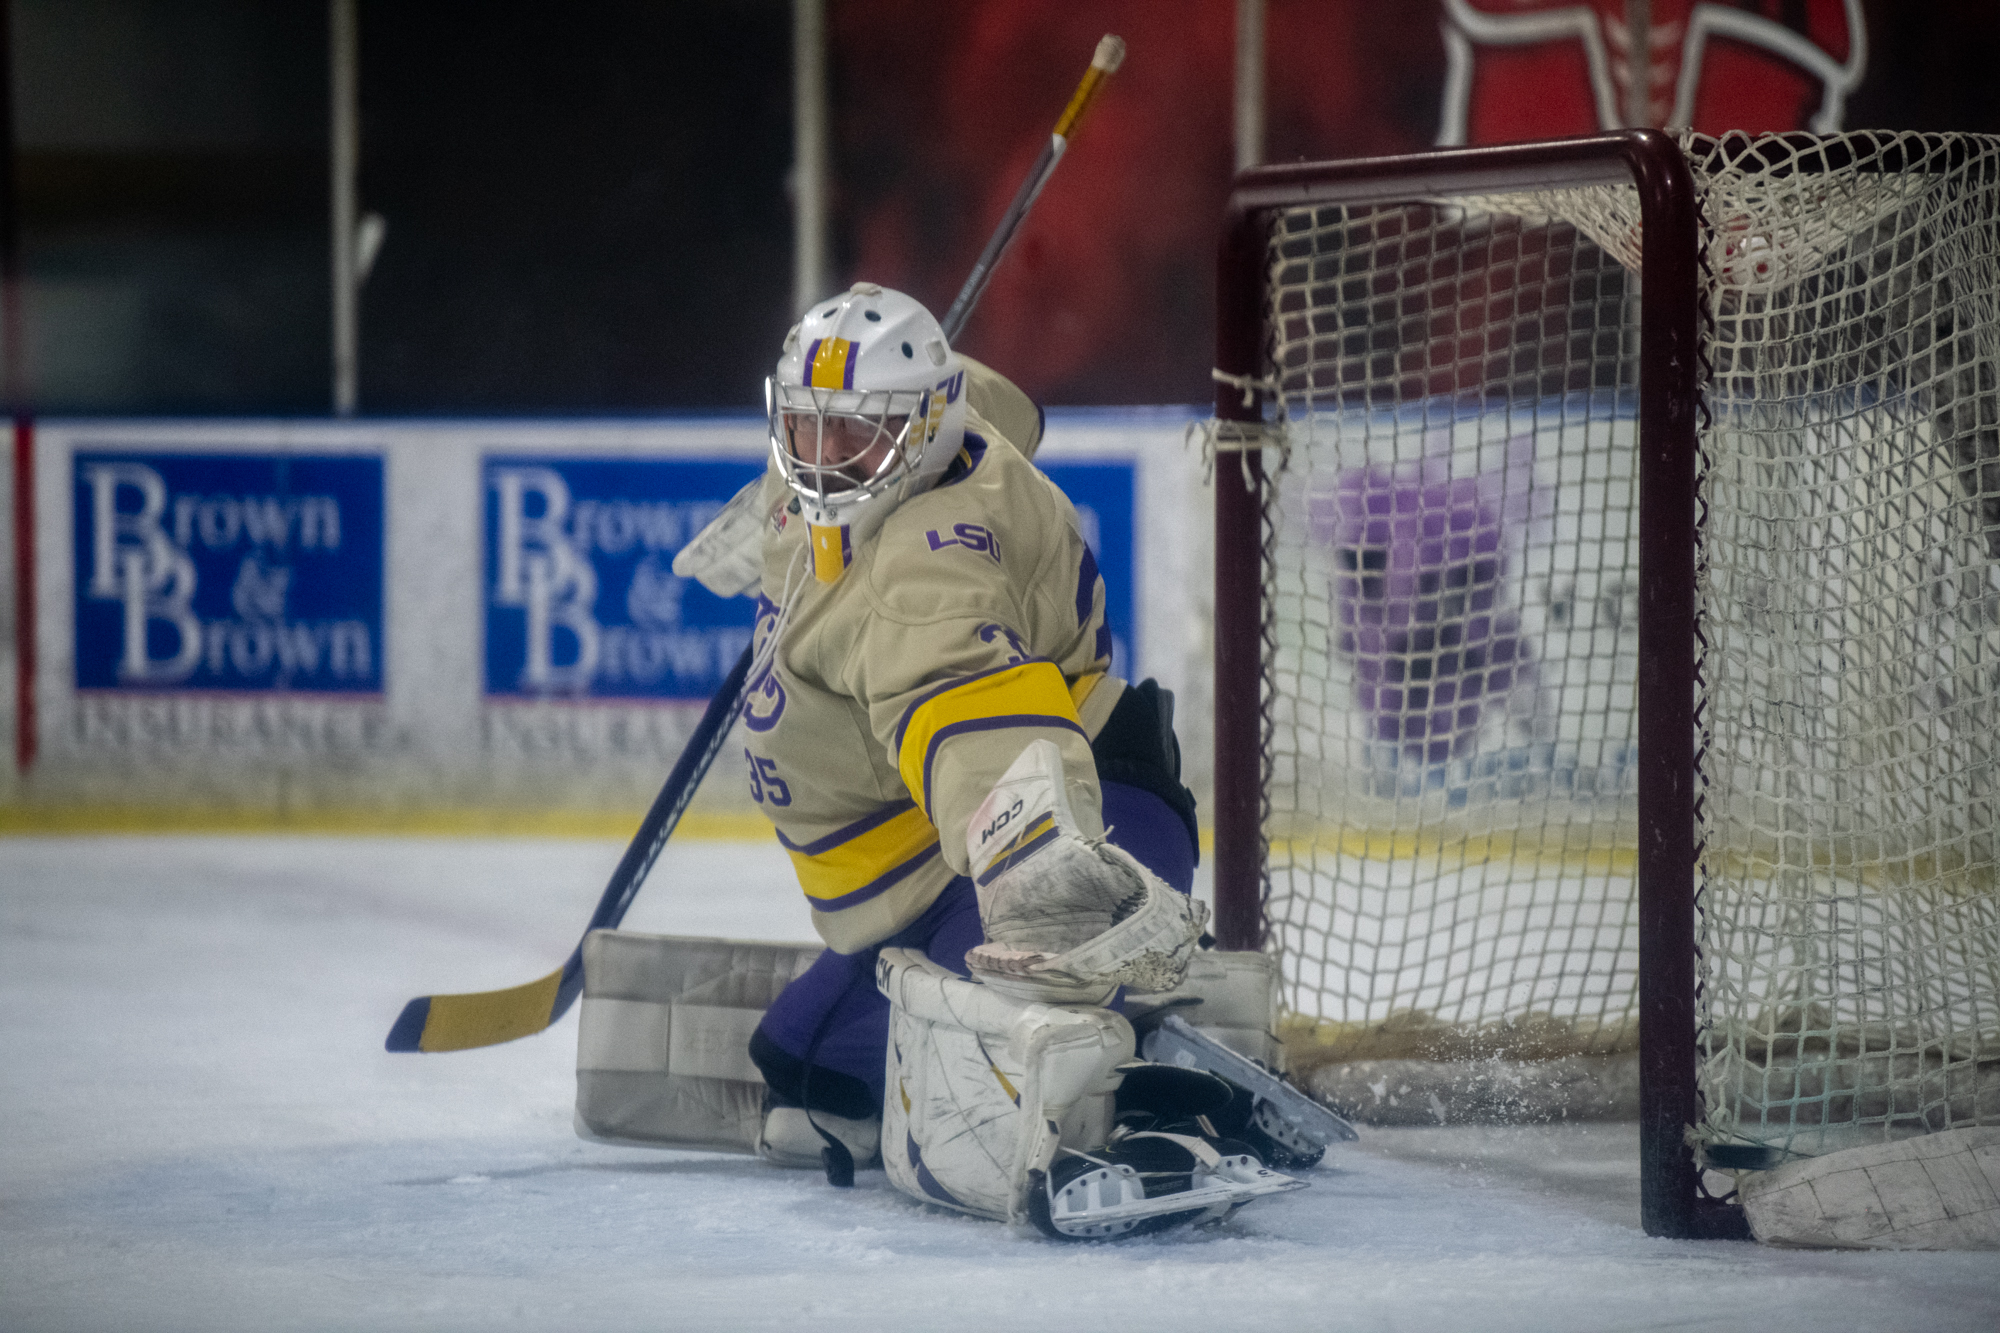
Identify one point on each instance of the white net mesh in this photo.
(1452, 559)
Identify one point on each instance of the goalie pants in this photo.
(823, 1041)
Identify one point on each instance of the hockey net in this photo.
(1450, 533)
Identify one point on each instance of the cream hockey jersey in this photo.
(969, 625)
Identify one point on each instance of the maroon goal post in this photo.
(1571, 502)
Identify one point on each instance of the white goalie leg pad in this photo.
(983, 1088)
(1073, 916)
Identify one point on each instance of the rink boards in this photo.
(443, 622)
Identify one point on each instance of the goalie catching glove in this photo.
(1067, 918)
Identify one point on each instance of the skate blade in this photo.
(1111, 1201)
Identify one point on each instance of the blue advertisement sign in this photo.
(228, 572)
(581, 597)
(1103, 496)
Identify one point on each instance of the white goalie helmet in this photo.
(866, 408)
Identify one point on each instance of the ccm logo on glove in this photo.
(1005, 818)
(969, 535)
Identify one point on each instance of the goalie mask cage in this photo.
(1608, 624)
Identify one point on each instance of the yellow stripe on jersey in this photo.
(1032, 694)
(1082, 686)
(865, 864)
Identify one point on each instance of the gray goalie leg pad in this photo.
(662, 1054)
(982, 1089)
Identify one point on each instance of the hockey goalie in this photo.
(989, 826)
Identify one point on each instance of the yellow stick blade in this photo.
(480, 1018)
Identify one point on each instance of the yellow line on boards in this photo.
(1458, 848)
(32, 820)
(444, 822)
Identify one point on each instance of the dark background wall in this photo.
(587, 203)
(171, 171)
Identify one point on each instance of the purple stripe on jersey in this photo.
(1003, 722)
(951, 685)
(840, 835)
(875, 887)
(1103, 646)
(1086, 587)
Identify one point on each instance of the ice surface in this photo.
(199, 1130)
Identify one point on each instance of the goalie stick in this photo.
(487, 1018)
(1110, 54)
(465, 1021)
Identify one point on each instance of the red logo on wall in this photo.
(1538, 69)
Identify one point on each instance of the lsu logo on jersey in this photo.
(972, 536)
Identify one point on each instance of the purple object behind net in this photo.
(1419, 566)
